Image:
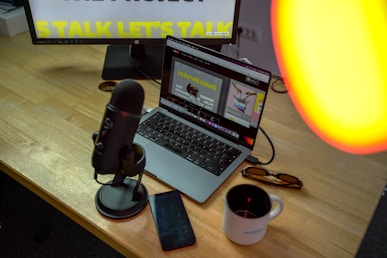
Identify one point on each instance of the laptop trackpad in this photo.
(162, 163)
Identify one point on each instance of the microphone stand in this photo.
(124, 197)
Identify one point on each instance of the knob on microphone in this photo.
(118, 126)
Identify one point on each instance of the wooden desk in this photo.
(50, 106)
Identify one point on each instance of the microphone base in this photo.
(117, 202)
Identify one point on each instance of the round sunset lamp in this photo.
(333, 58)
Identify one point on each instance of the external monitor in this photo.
(134, 30)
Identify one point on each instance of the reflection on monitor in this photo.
(135, 30)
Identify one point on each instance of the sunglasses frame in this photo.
(297, 184)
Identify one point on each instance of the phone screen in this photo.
(171, 220)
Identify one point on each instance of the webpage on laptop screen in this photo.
(225, 100)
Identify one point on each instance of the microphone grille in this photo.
(128, 95)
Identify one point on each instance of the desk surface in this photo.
(50, 106)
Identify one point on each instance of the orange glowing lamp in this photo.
(333, 58)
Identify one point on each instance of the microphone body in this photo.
(118, 126)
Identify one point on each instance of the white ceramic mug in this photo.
(247, 212)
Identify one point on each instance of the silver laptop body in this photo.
(211, 93)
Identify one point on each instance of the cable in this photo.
(99, 182)
(238, 41)
(255, 160)
(145, 75)
(275, 89)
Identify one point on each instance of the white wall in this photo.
(255, 15)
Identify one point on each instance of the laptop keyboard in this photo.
(189, 143)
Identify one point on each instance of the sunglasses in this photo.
(280, 179)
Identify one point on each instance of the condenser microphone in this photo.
(118, 126)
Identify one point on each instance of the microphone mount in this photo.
(124, 197)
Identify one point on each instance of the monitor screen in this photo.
(134, 29)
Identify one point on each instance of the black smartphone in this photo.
(171, 220)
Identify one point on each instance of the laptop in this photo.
(207, 100)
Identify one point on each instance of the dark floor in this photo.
(375, 241)
(29, 227)
(32, 228)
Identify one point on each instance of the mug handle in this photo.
(278, 209)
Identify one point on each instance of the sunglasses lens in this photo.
(257, 171)
(288, 178)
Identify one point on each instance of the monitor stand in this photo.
(133, 62)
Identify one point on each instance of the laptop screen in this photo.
(212, 90)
